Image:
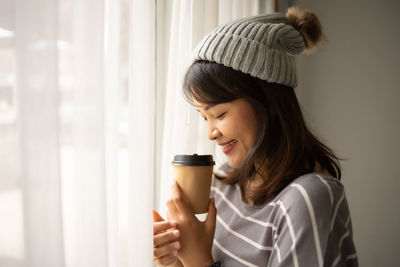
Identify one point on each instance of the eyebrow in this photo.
(207, 107)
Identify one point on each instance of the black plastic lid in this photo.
(193, 160)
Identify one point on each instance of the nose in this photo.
(213, 133)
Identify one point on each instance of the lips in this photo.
(227, 147)
(223, 144)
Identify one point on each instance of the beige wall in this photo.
(350, 93)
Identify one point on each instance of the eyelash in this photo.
(221, 115)
(217, 117)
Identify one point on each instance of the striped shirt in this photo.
(307, 224)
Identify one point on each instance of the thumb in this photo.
(211, 216)
(157, 217)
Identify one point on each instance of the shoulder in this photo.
(317, 207)
(312, 200)
(319, 191)
(313, 211)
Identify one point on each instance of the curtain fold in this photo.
(36, 50)
(141, 132)
(88, 137)
(112, 30)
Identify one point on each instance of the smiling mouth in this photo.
(229, 146)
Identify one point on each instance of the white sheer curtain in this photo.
(77, 103)
(142, 133)
(91, 114)
(181, 129)
(37, 122)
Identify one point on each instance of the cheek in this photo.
(240, 126)
(227, 128)
(247, 133)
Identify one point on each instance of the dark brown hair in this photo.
(284, 146)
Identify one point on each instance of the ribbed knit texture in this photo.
(262, 46)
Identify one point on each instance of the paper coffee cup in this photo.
(193, 174)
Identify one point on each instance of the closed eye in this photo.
(220, 116)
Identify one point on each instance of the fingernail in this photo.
(173, 223)
(177, 246)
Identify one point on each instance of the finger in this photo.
(157, 217)
(179, 199)
(162, 226)
(211, 216)
(173, 213)
(166, 260)
(169, 249)
(166, 237)
(168, 215)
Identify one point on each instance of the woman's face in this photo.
(233, 125)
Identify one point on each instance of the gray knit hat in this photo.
(263, 46)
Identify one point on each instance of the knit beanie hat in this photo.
(263, 46)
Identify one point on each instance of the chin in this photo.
(234, 163)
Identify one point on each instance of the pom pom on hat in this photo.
(307, 24)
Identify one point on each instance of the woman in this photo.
(279, 198)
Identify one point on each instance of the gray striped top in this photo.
(307, 224)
